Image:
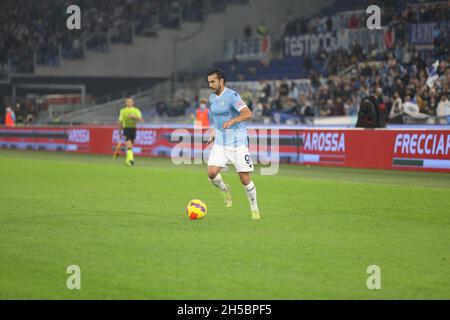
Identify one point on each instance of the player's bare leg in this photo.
(250, 189)
(130, 157)
(216, 180)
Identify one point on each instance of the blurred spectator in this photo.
(354, 22)
(31, 115)
(351, 106)
(55, 118)
(443, 110)
(339, 107)
(19, 113)
(284, 88)
(306, 109)
(329, 24)
(257, 112)
(3, 70)
(262, 29)
(327, 109)
(10, 117)
(412, 109)
(266, 113)
(396, 113)
(161, 107)
(179, 108)
(248, 31)
(293, 92)
(432, 103)
(203, 114)
(266, 89)
(174, 15)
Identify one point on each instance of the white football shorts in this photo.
(220, 156)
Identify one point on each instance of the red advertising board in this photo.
(404, 149)
(416, 149)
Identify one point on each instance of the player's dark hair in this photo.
(219, 73)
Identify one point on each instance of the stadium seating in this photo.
(288, 68)
(27, 42)
(324, 69)
(359, 70)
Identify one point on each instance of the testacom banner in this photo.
(308, 44)
(311, 44)
(404, 149)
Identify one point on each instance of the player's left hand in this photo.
(228, 124)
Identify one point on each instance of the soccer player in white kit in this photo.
(229, 139)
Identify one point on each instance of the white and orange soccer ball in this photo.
(196, 209)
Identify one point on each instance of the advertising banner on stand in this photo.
(252, 48)
(404, 149)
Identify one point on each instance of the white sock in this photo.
(218, 182)
(250, 189)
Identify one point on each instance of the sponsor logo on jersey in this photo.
(223, 114)
(240, 104)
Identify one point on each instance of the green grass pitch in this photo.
(127, 230)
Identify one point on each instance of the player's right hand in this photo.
(210, 141)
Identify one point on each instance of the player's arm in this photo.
(212, 136)
(212, 132)
(137, 117)
(244, 114)
(120, 123)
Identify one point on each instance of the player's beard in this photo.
(218, 90)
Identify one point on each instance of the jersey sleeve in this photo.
(138, 113)
(237, 102)
(210, 114)
(121, 116)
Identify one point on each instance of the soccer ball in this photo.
(196, 209)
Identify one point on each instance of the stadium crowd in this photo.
(19, 114)
(399, 88)
(400, 77)
(37, 30)
(415, 13)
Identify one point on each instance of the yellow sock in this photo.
(130, 156)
